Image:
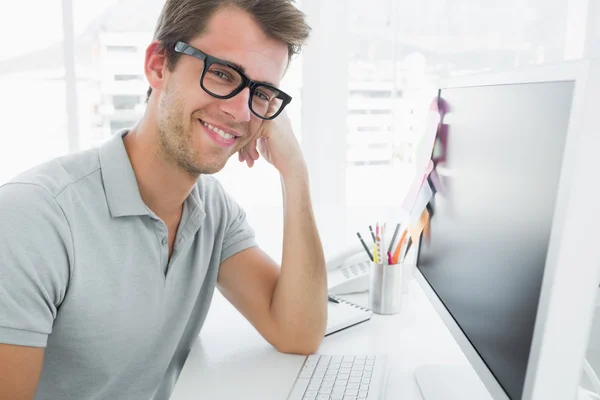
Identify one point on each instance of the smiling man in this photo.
(109, 258)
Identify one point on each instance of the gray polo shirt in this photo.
(84, 272)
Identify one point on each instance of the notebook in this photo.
(344, 314)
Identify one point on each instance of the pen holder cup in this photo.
(385, 294)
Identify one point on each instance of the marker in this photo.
(331, 299)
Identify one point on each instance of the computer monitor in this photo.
(512, 262)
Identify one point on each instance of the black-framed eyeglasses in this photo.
(223, 80)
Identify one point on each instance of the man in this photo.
(109, 257)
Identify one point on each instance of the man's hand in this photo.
(276, 142)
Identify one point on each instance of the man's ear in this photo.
(155, 65)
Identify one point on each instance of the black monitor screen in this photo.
(493, 213)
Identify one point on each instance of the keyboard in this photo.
(340, 377)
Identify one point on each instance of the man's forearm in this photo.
(299, 304)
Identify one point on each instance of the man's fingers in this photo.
(251, 149)
(244, 154)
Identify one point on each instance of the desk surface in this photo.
(230, 360)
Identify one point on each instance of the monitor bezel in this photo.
(566, 295)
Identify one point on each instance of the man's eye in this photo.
(262, 96)
(220, 74)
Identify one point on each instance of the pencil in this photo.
(372, 234)
(410, 242)
(364, 245)
(394, 237)
(397, 252)
(375, 260)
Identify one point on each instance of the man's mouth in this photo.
(218, 131)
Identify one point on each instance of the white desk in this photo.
(230, 360)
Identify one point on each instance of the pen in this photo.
(333, 300)
(364, 245)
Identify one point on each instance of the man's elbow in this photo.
(299, 341)
(303, 347)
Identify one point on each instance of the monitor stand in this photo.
(443, 382)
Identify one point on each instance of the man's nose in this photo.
(237, 106)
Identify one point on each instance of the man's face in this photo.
(185, 109)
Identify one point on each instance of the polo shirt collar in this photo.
(120, 185)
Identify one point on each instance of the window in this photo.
(368, 129)
(126, 102)
(121, 49)
(118, 125)
(34, 125)
(128, 77)
(404, 48)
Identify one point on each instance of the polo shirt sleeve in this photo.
(35, 244)
(238, 234)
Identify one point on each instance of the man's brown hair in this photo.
(183, 20)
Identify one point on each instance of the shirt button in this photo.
(164, 241)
